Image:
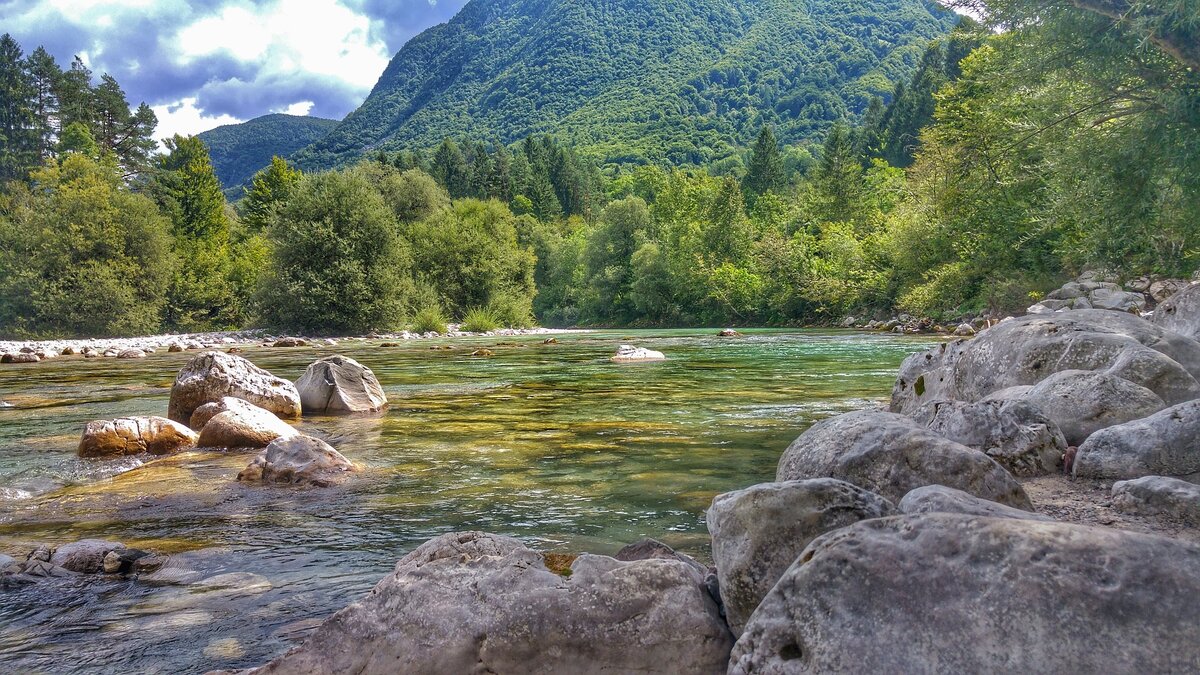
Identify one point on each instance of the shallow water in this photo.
(550, 443)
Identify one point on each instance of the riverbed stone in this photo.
(298, 460)
(962, 594)
(1027, 350)
(1083, 402)
(758, 532)
(240, 425)
(213, 375)
(941, 499)
(1181, 312)
(1159, 496)
(85, 556)
(630, 353)
(20, 357)
(890, 455)
(131, 353)
(133, 436)
(1166, 443)
(1015, 433)
(339, 384)
(477, 603)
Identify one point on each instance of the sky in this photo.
(203, 63)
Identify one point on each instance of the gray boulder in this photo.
(1162, 289)
(962, 594)
(1083, 402)
(239, 425)
(85, 556)
(339, 384)
(211, 376)
(480, 603)
(758, 532)
(653, 549)
(1181, 312)
(133, 436)
(1166, 443)
(1015, 433)
(941, 499)
(1159, 495)
(298, 460)
(1027, 350)
(890, 455)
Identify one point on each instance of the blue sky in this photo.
(202, 63)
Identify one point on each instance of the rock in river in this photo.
(298, 460)
(758, 532)
(339, 384)
(891, 454)
(239, 425)
(1166, 443)
(85, 556)
(629, 353)
(962, 594)
(134, 435)
(480, 603)
(211, 376)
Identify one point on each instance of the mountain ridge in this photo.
(239, 150)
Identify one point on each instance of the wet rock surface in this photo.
(133, 436)
(298, 460)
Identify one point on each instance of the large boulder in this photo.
(1159, 496)
(1015, 433)
(339, 384)
(134, 436)
(1166, 443)
(211, 376)
(1162, 289)
(630, 354)
(85, 556)
(1181, 312)
(890, 455)
(1027, 350)
(298, 460)
(941, 499)
(480, 603)
(239, 425)
(962, 594)
(1083, 402)
(758, 532)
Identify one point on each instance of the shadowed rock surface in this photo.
(941, 499)
(758, 532)
(1166, 443)
(890, 455)
(479, 603)
(1018, 435)
(962, 594)
(339, 384)
(298, 460)
(212, 376)
(133, 436)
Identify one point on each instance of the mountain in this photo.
(686, 81)
(239, 150)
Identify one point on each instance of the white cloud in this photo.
(300, 108)
(185, 119)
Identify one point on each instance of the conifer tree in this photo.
(18, 128)
(765, 173)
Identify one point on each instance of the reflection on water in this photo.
(550, 443)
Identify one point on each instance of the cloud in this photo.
(201, 63)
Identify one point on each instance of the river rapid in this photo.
(551, 443)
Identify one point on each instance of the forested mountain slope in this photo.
(686, 81)
(238, 151)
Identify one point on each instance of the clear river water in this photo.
(553, 444)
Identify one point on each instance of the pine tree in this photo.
(76, 100)
(18, 128)
(270, 187)
(500, 181)
(450, 169)
(44, 74)
(839, 177)
(765, 173)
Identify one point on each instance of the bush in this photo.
(479, 320)
(429, 319)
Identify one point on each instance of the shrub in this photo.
(479, 320)
(429, 319)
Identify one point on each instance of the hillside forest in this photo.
(1049, 138)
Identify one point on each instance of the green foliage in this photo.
(479, 320)
(430, 319)
(81, 255)
(269, 188)
(765, 173)
(240, 151)
(77, 138)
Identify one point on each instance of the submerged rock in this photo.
(132, 353)
(239, 425)
(627, 353)
(1017, 434)
(20, 358)
(211, 376)
(1166, 443)
(1083, 402)
(963, 594)
(133, 436)
(758, 532)
(478, 603)
(340, 384)
(298, 460)
(941, 499)
(890, 455)
(85, 556)
(1159, 495)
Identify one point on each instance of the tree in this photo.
(450, 168)
(78, 139)
(128, 135)
(765, 173)
(269, 188)
(19, 135)
(76, 100)
(44, 74)
(838, 179)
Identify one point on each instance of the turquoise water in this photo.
(550, 443)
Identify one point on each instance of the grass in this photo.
(429, 320)
(479, 320)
